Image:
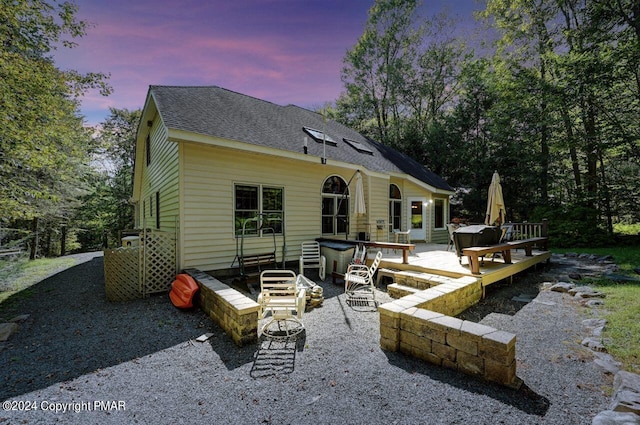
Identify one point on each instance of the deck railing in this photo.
(529, 230)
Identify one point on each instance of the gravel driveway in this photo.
(138, 362)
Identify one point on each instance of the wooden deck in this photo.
(435, 259)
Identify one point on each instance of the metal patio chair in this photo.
(312, 258)
(359, 285)
(282, 302)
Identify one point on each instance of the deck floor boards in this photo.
(435, 259)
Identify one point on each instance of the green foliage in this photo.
(106, 210)
(621, 333)
(44, 148)
(20, 274)
(378, 68)
(573, 226)
(554, 110)
(374, 67)
(627, 229)
(622, 305)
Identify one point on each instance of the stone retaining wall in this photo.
(421, 325)
(419, 280)
(234, 312)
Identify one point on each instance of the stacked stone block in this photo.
(234, 312)
(418, 280)
(398, 291)
(421, 325)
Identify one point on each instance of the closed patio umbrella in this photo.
(359, 207)
(495, 203)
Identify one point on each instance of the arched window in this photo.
(395, 207)
(335, 206)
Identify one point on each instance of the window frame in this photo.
(147, 146)
(157, 210)
(339, 203)
(393, 204)
(441, 215)
(259, 230)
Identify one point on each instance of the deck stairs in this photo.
(409, 282)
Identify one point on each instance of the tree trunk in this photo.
(591, 150)
(544, 129)
(34, 239)
(544, 161)
(47, 247)
(607, 197)
(63, 240)
(573, 153)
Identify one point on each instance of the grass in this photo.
(621, 335)
(19, 274)
(627, 229)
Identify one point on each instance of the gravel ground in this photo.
(138, 362)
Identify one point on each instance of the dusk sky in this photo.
(283, 51)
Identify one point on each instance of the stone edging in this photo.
(236, 313)
(625, 401)
(421, 325)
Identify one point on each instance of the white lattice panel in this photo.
(121, 274)
(159, 262)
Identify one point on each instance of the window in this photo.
(416, 214)
(272, 208)
(147, 147)
(438, 214)
(259, 209)
(335, 206)
(395, 207)
(360, 147)
(319, 136)
(157, 210)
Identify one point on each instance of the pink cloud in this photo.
(278, 50)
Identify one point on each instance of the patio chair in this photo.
(402, 236)
(312, 258)
(451, 227)
(283, 301)
(359, 255)
(507, 233)
(358, 281)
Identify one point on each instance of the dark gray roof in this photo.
(218, 112)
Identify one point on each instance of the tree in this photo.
(577, 63)
(106, 210)
(44, 149)
(376, 67)
(555, 108)
(401, 78)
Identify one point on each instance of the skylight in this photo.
(359, 146)
(319, 136)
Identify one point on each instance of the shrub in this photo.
(573, 226)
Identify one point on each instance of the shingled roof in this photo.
(218, 112)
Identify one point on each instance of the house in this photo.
(229, 172)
